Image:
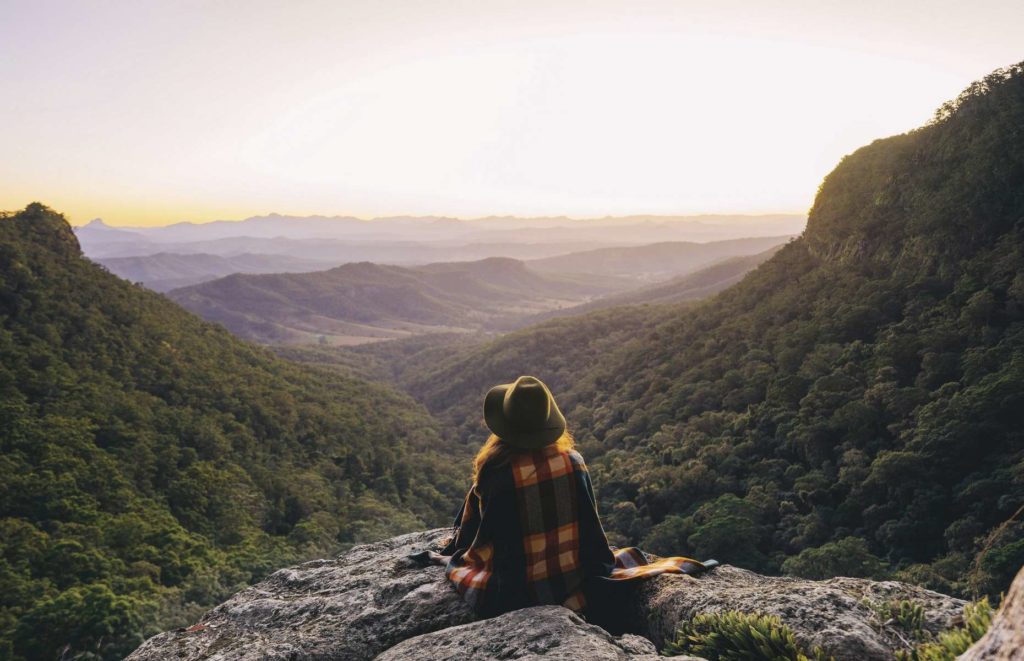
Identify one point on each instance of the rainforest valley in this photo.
(853, 405)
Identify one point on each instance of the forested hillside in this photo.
(151, 464)
(854, 406)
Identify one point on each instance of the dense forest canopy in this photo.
(151, 464)
(854, 406)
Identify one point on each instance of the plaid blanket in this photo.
(529, 534)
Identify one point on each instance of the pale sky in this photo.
(145, 112)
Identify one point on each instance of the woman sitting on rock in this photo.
(529, 533)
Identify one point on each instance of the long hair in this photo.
(495, 452)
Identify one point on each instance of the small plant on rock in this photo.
(951, 644)
(736, 636)
(904, 614)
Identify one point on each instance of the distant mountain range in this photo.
(654, 262)
(413, 241)
(166, 271)
(364, 302)
(634, 229)
(399, 251)
(700, 284)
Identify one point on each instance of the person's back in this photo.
(528, 532)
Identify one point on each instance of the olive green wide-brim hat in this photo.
(523, 414)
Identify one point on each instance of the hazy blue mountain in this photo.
(703, 283)
(363, 301)
(658, 261)
(437, 228)
(399, 250)
(166, 271)
(409, 241)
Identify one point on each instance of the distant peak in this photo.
(97, 223)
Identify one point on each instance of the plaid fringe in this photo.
(631, 563)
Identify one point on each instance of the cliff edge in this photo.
(372, 602)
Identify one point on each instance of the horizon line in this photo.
(469, 219)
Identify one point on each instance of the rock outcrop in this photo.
(1005, 638)
(542, 632)
(839, 614)
(373, 601)
(352, 607)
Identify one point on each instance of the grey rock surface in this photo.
(541, 632)
(351, 607)
(373, 601)
(1005, 638)
(833, 614)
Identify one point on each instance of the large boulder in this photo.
(352, 607)
(840, 615)
(541, 632)
(1005, 638)
(373, 601)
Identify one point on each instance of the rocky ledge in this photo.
(372, 602)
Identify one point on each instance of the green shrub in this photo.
(735, 636)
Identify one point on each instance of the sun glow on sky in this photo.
(155, 112)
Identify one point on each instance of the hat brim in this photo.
(494, 417)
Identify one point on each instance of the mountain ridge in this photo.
(383, 300)
(694, 286)
(165, 271)
(412, 241)
(655, 261)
